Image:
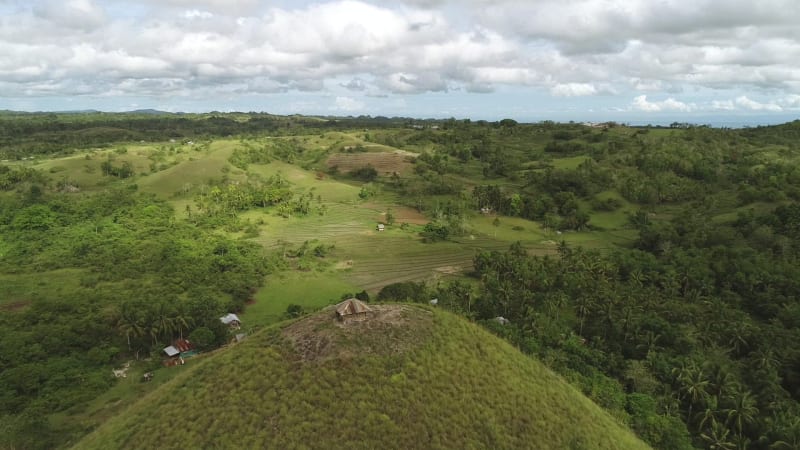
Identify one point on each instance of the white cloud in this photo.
(197, 14)
(79, 14)
(641, 103)
(575, 48)
(348, 104)
(791, 101)
(723, 105)
(355, 84)
(753, 105)
(573, 90)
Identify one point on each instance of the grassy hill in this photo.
(409, 377)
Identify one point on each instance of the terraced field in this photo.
(384, 162)
(370, 259)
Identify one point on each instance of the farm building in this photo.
(381, 227)
(181, 348)
(352, 310)
(231, 319)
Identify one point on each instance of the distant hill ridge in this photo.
(406, 377)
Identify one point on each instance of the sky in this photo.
(719, 62)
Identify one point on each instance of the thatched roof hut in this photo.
(352, 309)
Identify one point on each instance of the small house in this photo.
(381, 227)
(231, 320)
(502, 320)
(171, 351)
(352, 310)
(181, 347)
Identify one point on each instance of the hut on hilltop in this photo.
(352, 310)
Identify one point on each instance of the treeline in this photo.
(24, 135)
(40, 134)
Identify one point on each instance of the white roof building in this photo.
(230, 318)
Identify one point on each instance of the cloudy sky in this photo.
(638, 61)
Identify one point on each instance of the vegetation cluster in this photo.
(656, 267)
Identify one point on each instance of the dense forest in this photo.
(133, 277)
(657, 268)
(689, 330)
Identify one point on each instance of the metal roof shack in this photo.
(352, 309)
(183, 345)
(178, 347)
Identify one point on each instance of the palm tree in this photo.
(721, 379)
(584, 307)
(555, 303)
(693, 385)
(743, 410)
(764, 359)
(709, 414)
(788, 427)
(130, 328)
(637, 277)
(650, 343)
(164, 323)
(130, 323)
(718, 437)
(181, 322)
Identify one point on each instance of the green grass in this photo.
(20, 289)
(757, 208)
(611, 220)
(569, 163)
(124, 393)
(80, 171)
(407, 378)
(330, 190)
(311, 290)
(195, 171)
(511, 229)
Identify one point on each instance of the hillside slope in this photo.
(408, 377)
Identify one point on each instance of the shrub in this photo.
(293, 311)
(366, 173)
(435, 232)
(407, 290)
(203, 338)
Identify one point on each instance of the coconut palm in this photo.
(742, 410)
(709, 414)
(718, 437)
(693, 385)
(130, 323)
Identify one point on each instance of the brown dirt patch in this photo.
(343, 265)
(409, 215)
(449, 270)
(388, 330)
(15, 306)
(384, 163)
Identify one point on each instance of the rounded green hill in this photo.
(406, 377)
